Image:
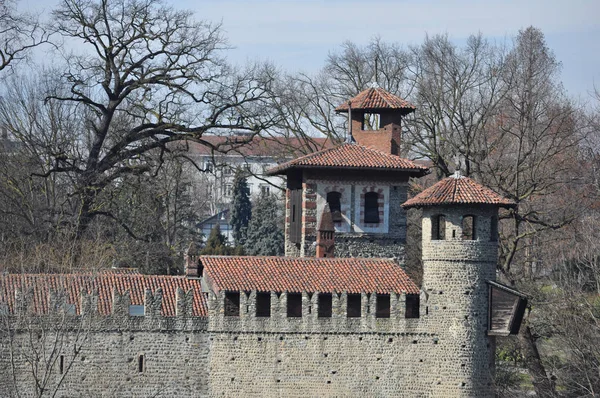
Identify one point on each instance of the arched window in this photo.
(494, 229)
(468, 228)
(438, 227)
(333, 199)
(371, 207)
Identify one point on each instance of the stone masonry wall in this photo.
(174, 363)
(319, 357)
(94, 355)
(455, 295)
(352, 238)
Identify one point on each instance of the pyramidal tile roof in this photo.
(307, 274)
(376, 98)
(104, 283)
(351, 156)
(458, 189)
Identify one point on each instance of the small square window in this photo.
(70, 309)
(136, 310)
(265, 189)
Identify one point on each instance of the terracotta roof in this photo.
(351, 156)
(457, 189)
(104, 283)
(298, 274)
(276, 147)
(123, 270)
(376, 98)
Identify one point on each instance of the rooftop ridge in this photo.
(351, 156)
(376, 98)
(458, 189)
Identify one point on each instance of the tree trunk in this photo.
(544, 387)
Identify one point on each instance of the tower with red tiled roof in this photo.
(363, 182)
(460, 253)
(376, 119)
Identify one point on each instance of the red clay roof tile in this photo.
(457, 189)
(275, 147)
(298, 274)
(104, 283)
(376, 98)
(351, 156)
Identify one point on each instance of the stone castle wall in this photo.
(443, 353)
(320, 357)
(94, 355)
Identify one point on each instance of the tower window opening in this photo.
(61, 364)
(371, 121)
(353, 306)
(438, 227)
(412, 306)
(468, 228)
(294, 305)
(371, 207)
(383, 306)
(263, 304)
(334, 201)
(232, 304)
(325, 305)
(296, 216)
(494, 229)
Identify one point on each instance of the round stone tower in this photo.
(460, 252)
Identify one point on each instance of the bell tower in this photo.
(375, 119)
(460, 253)
(363, 183)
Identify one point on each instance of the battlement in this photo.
(89, 312)
(287, 312)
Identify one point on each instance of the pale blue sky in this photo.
(298, 34)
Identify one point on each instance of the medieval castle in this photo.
(336, 317)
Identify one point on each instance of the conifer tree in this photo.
(216, 243)
(265, 231)
(241, 208)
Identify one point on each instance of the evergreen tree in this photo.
(216, 243)
(265, 231)
(241, 208)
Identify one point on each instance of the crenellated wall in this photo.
(94, 355)
(309, 356)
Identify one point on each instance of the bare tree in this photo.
(19, 33)
(457, 92)
(38, 349)
(160, 71)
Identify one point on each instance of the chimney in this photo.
(191, 261)
(325, 235)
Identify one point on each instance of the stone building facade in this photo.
(349, 325)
